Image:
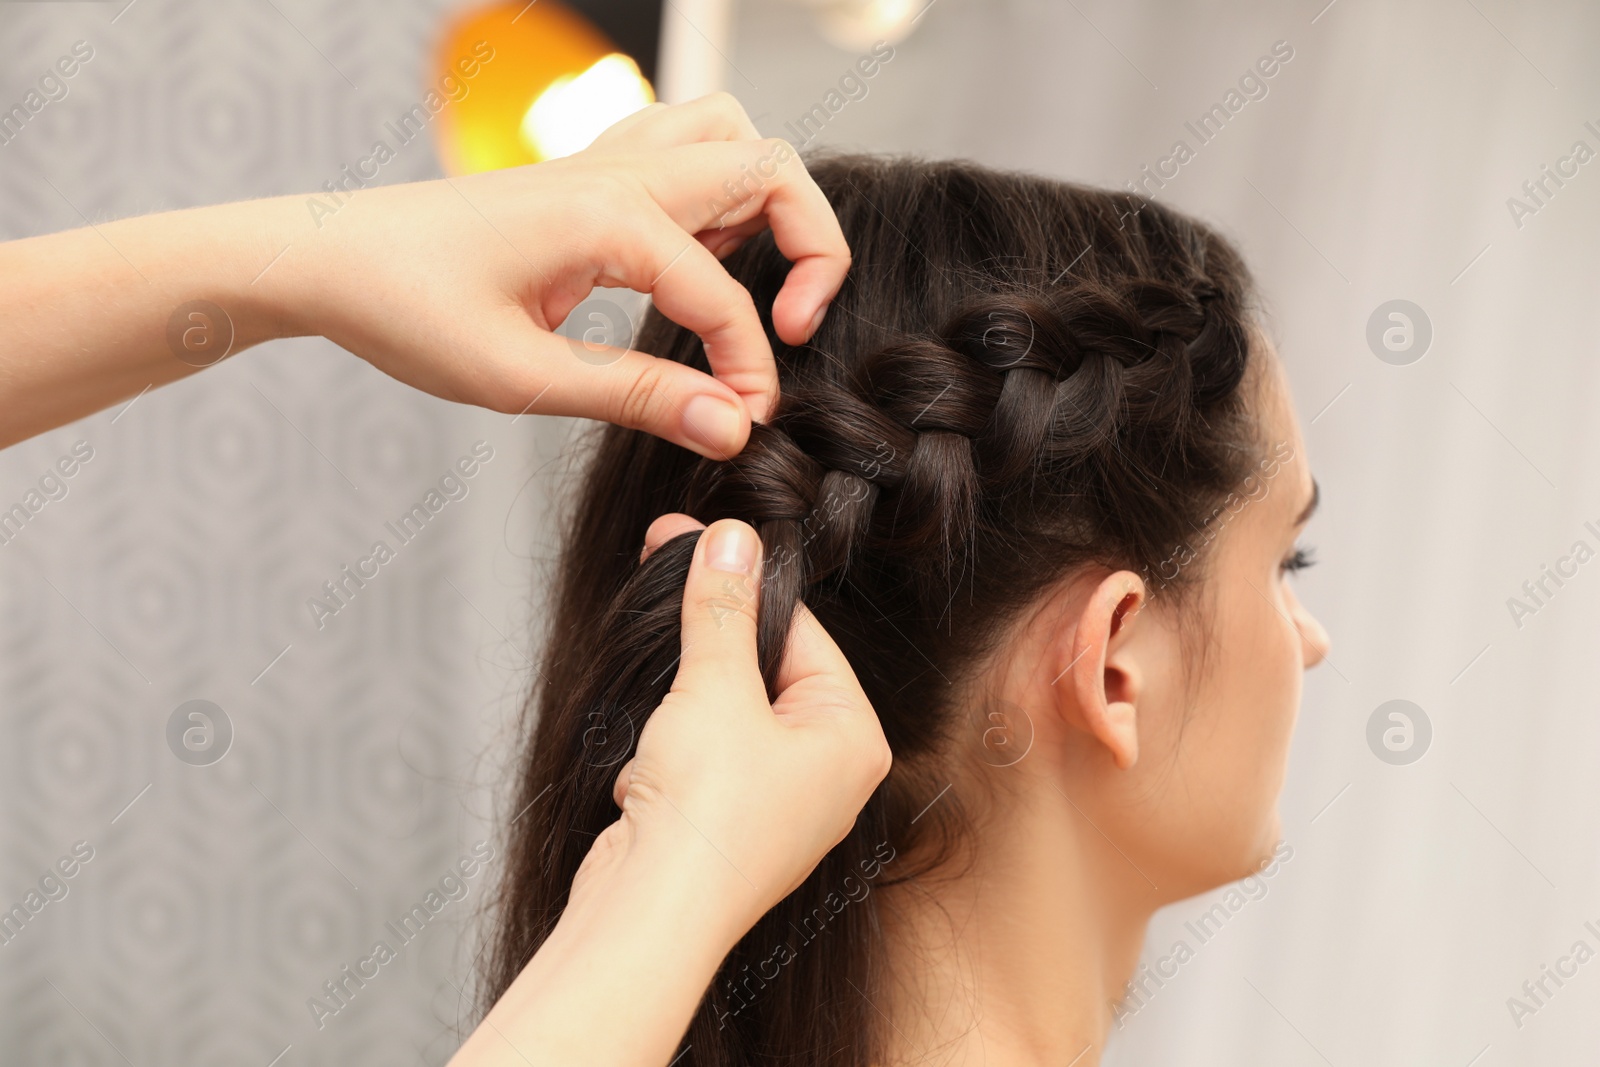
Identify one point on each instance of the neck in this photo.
(1018, 957)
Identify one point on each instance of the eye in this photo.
(1298, 560)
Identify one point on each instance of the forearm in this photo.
(86, 319)
(620, 977)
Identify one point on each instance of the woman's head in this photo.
(1166, 719)
(1031, 474)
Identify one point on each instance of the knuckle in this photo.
(643, 398)
(730, 599)
(725, 102)
(725, 305)
(736, 306)
(779, 150)
(643, 793)
(609, 187)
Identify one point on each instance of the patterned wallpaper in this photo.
(217, 800)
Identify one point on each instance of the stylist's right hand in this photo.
(771, 787)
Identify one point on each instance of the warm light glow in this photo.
(569, 115)
(856, 25)
(522, 55)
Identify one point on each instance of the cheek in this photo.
(1202, 804)
(1265, 675)
(1249, 698)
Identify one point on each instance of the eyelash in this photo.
(1298, 560)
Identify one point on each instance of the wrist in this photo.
(646, 925)
(272, 252)
(679, 878)
(239, 257)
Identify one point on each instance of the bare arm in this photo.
(621, 975)
(86, 319)
(452, 286)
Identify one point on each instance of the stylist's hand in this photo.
(758, 791)
(728, 803)
(455, 286)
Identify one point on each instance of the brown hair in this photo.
(1019, 378)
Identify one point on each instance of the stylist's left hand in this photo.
(455, 286)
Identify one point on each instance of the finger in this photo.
(664, 529)
(722, 243)
(720, 185)
(688, 285)
(714, 117)
(811, 655)
(720, 597)
(619, 133)
(511, 365)
(658, 396)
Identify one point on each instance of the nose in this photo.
(1314, 639)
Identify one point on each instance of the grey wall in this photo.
(1419, 897)
(179, 566)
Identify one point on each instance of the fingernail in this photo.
(711, 421)
(733, 549)
(761, 407)
(816, 321)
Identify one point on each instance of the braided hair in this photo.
(1020, 377)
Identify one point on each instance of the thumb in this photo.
(812, 659)
(720, 598)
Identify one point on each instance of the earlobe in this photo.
(1099, 684)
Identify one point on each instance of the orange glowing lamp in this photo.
(551, 84)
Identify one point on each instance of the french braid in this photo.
(1019, 378)
(902, 455)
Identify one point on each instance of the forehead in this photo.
(1281, 438)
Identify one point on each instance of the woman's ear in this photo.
(1099, 685)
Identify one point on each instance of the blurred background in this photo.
(1413, 184)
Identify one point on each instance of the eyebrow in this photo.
(1311, 505)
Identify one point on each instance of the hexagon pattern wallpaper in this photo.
(247, 789)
